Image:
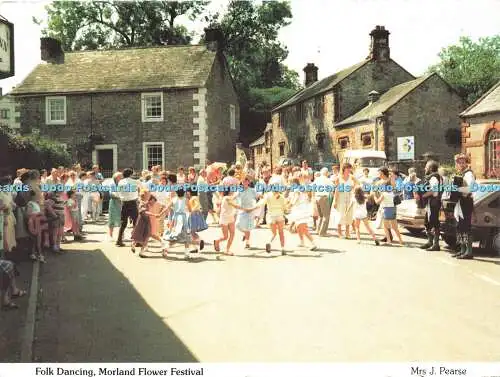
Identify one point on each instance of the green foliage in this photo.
(264, 99)
(472, 68)
(254, 52)
(32, 152)
(108, 24)
(449, 169)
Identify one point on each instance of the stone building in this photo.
(368, 105)
(138, 107)
(9, 112)
(481, 134)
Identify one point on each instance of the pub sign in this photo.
(6, 49)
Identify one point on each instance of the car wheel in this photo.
(451, 241)
(496, 243)
(415, 231)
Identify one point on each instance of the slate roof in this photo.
(261, 140)
(386, 101)
(488, 103)
(122, 69)
(321, 86)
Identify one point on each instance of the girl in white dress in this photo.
(343, 199)
(301, 203)
(361, 214)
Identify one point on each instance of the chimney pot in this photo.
(373, 96)
(311, 74)
(51, 50)
(379, 46)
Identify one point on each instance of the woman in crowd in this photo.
(115, 206)
(386, 201)
(343, 199)
(7, 207)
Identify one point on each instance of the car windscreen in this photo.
(372, 162)
(485, 190)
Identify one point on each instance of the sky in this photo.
(333, 34)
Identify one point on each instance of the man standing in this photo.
(464, 208)
(53, 178)
(128, 193)
(323, 189)
(307, 172)
(432, 197)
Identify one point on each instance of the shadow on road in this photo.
(12, 322)
(89, 312)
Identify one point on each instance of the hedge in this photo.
(31, 152)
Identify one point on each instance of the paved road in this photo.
(350, 302)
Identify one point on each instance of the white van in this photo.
(365, 158)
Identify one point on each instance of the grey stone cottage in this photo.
(172, 106)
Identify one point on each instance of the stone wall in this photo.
(475, 132)
(117, 117)
(220, 95)
(375, 75)
(355, 133)
(425, 113)
(346, 99)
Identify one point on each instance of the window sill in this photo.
(56, 123)
(151, 120)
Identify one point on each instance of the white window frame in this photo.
(145, 118)
(47, 110)
(145, 146)
(232, 117)
(6, 112)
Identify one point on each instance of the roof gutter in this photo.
(483, 113)
(75, 92)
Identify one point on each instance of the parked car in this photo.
(485, 221)
(365, 158)
(411, 217)
(325, 164)
(284, 162)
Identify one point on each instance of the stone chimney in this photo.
(373, 96)
(379, 46)
(311, 74)
(51, 50)
(214, 38)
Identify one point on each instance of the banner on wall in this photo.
(406, 148)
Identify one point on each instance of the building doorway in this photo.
(493, 154)
(106, 157)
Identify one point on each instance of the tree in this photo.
(472, 68)
(254, 52)
(107, 24)
(255, 56)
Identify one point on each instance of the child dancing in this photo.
(196, 221)
(276, 207)
(361, 214)
(301, 203)
(178, 228)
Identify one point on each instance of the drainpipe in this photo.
(271, 148)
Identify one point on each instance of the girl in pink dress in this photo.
(71, 221)
(155, 208)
